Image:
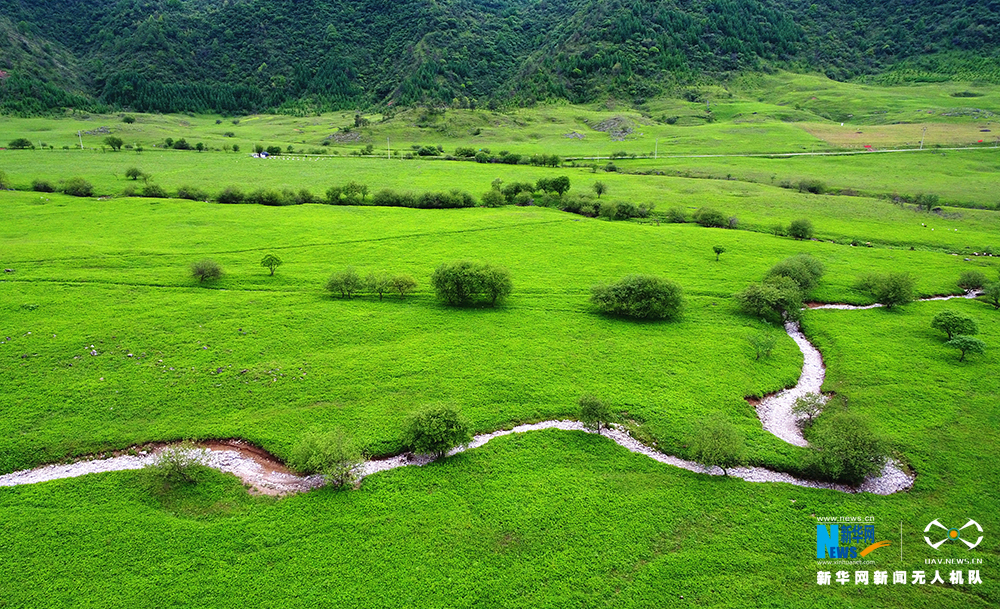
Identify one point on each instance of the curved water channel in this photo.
(264, 474)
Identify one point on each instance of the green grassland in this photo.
(547, 519)
(763, 114)
(758, 206)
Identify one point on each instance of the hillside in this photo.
(241, 55)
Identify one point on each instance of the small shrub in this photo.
(231, 195)
(154, 191)
(594, 413)
(718, 443)
(816, 187)
(709, 217)
(676, 215)
(346, 282)
(177, 464)
(719, 250)
(991, 294)
(807, 408)
(206, 269)
(20, 144)
(42, 186)
(801, 229)
(78, 187)
(971, 280)
(493, 198)
(889, 289)
(763, 344)
(192, 193)
(640, 296)
(331, 454)
(436, 430)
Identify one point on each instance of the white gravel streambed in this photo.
(266, 476)
(775, 411)
(847, 307)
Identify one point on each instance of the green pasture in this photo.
(758, 206)
(107, 342)
(959, 177)
(753, 114)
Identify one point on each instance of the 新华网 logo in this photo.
(952, 534)
(850, 541)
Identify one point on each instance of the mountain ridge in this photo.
(251, 55)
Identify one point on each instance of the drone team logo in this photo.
(953, 534)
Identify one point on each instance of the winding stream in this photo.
(264, 474)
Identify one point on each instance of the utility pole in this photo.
(656, 148)
(81, 139)
(922, 137)
(388, 151)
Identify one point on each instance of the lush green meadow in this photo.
(107, 341)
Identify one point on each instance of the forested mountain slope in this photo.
(240, 55)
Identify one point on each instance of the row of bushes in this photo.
(779, 296)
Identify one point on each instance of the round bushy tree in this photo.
(436, 430)
(803, 269)
(801, 229)
(640, 296)
(713, 218)
(952, 323)
(889, 289)
(846, 449)
(206, 269)
(464, 282)
(967, 344)
(971, 280)
(78, 187)
(594, 413)
(776, 300)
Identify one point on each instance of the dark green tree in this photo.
(719, 250)
(115, 143)
(435, 430)
(952, 324)
(967, 344)
(846, 449)
(206, 269)
(270, 262)
(640, 296)
(801, 229)
(600, 188)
